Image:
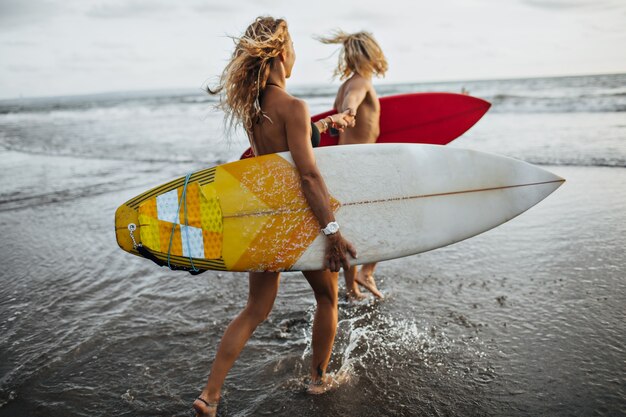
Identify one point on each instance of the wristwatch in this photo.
(331, 228)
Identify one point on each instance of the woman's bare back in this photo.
(269, 133)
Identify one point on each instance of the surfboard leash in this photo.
(145, 252)
(183, 201)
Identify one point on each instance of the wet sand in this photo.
(526, 319)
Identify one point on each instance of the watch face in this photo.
(331, 228)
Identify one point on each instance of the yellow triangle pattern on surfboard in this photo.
(275, 225)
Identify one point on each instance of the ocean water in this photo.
(526, 319)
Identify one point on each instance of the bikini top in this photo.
(315, 135)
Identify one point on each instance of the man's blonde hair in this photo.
(360, 54)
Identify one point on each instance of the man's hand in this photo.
(342, 120)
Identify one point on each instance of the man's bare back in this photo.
(358, 94)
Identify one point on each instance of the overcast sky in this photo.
(58, 47)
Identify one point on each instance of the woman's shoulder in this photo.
(293, 106)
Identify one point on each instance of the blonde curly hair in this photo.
(360, 54)
(245, 77)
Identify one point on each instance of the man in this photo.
(360, 59)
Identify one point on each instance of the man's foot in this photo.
(205, 408)
(354, 294)
(367, 281)
(321, 385)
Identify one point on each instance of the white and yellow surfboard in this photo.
(391, 200)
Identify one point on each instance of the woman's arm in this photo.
(298, 130)
(337, 121)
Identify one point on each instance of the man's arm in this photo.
(354, 95)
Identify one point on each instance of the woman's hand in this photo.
(337, 250)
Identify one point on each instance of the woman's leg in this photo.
(263, 287)
(324, 284)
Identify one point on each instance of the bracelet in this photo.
(324, 125)
(331, 120)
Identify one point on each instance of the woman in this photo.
(253, 94)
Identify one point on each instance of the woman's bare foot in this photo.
(205, 408)
(321, 385)
(367, 281)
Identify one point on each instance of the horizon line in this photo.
(301, 85)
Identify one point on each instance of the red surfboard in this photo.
(435, 118)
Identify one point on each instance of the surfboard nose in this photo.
(551, 177)
(540, 184)
(125, 216)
